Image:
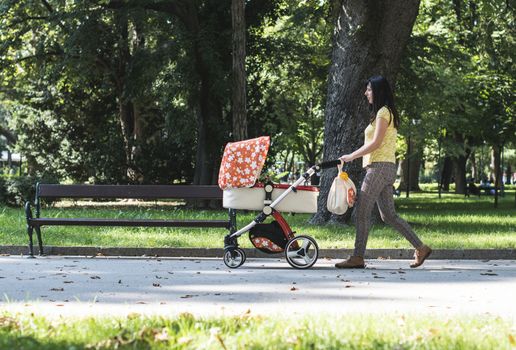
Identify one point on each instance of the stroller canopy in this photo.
(242, 162)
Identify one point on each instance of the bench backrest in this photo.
(129, 191)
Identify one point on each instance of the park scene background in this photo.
(150, 92)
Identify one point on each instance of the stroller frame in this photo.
(300, 251)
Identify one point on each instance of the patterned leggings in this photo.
(377, 187)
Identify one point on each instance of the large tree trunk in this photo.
(239, 75)
(370, 37)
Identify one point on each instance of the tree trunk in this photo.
(129, 115)
(474, 167)
(415, 165)
(208, 130)
(446, 173)
(239, 75)
(369, 39)
(459, 165)
(497, 172)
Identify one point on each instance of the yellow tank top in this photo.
(387, 150)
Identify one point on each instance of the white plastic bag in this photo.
(337, 202)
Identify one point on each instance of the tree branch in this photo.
(51, 10)
(185, 10)
(26, 19)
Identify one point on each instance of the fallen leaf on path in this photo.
(188, 296)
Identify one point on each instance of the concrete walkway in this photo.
(81, 286)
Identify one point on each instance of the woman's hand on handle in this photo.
(347, 158)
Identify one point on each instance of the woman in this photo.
(378, 154)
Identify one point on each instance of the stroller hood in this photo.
(242, 162)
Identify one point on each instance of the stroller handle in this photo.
(329, 164)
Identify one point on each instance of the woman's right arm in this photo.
(379, 134)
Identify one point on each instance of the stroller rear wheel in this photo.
(301, 252)
(234, 258)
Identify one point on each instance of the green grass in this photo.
(450, 222)
(187, 332)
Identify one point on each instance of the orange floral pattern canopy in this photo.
(242, 162)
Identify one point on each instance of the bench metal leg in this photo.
(40, 241)
(31, 246)
(30, 228)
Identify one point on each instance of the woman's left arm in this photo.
(379, 134)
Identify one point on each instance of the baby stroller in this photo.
(241, 165)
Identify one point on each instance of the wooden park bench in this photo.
(148, 192)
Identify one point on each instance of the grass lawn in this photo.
(450, 222)
(188, 332)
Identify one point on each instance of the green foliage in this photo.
(457, 76)
(16, 190)
(288, 65)
(67, 69)
(187, 331)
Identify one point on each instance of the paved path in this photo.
(118, 286)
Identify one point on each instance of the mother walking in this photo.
(379, 160)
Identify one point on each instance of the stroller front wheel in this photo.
(301, 252)
(234, 258)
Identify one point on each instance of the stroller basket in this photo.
(304, 200)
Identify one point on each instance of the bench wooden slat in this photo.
(126, 222)
(131, 191)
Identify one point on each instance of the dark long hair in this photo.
(382, 97)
